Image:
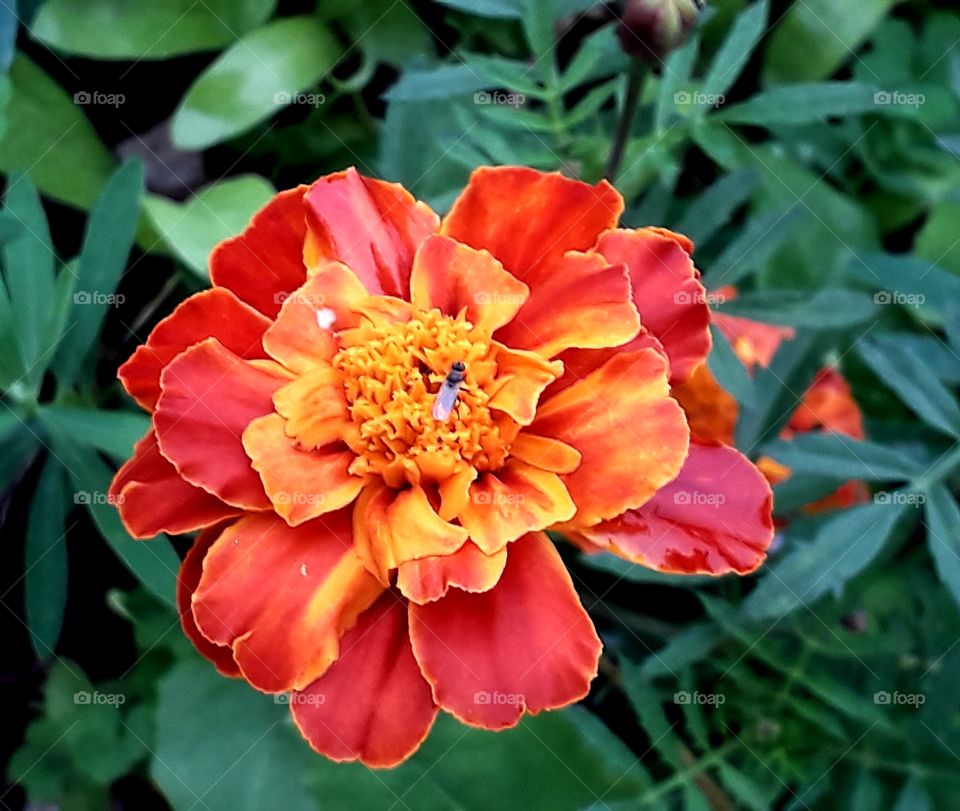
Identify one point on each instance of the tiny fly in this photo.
(449, 389)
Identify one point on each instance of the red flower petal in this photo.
(529, 219)
(372, 705)
(667, 292)
(372, 227)
(152, 498)
(828, 405)
(453, 277)
(632, 435)
(266, 261)
(524, 646)
(585, 302)
(187, 581)
(209, 397)
(469, 569)
(215, 313)
(282, 597)
(714, 518)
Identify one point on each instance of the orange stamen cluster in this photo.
(392, 372)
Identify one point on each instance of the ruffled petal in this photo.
(371, 226)
(209, 397)
(303, 334)
(282, 597)
(828, 405)
(521, 379)
(393, 527)
(372, 705)
(711, 411)
(714, 518)
(545, 453)
(152, 498)
(265, 262)
(530, 219)
(514, 500)
(585, 302)
(632, 435)
(453, 277)
(468, 569)
(667, 292)
(314, 408)
(215, 313)
(187, 581)
(525, 645)
(301, 484)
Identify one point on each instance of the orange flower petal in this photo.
(545, 453)
(314, 407)
(372, 705)
(714, 518)
(585, 302)
(513, 501)
(152, 498)
(712, 413)
(754, 342)
(631, 433)
(215, 313)
(391, 528)
(301, 484)
(282, 597)
(371, 226)
(454, 277)
(667, 292)
(529, 219)
(828, 405)
(266, 261)
(302, 336)
(468, 569)
(187, 581)
(455, 492)
(209, 396)
(521, 378)
(525, 645)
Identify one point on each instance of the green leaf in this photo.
(755, 246)
(728, 369)
(675, 75)
(18, 446)
(634, 573)
(106, 245)
(898, 278)
(841, 457)
(843, 547)
(253, 79)
(386, 31)
(440, 82)
(154, 563)
(914, 383)
(118, 29)
(808, 103)
(112, 432)
(816, 37)
(45, 560)
(193, 228)
(48, 136)
(823, 309)
(943, 536)
(501, 9)
(736, 50)
(691, 645)
(714, 207)
(9, 23)
(937, 241)
(598, 56)
(29, 271)
(913, 797)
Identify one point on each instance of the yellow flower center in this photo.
(392, 374)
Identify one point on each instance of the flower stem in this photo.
(631, 102)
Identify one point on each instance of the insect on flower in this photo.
(449, 391)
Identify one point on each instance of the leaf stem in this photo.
(631, 103)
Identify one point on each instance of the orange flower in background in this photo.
(375, 414)
(827, 405)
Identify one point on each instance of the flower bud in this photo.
(651, 29)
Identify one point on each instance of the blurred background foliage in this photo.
(809, 148)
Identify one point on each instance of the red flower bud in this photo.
(651, 29)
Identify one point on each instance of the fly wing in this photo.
(446, 400)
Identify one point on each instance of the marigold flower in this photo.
(381, 562)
